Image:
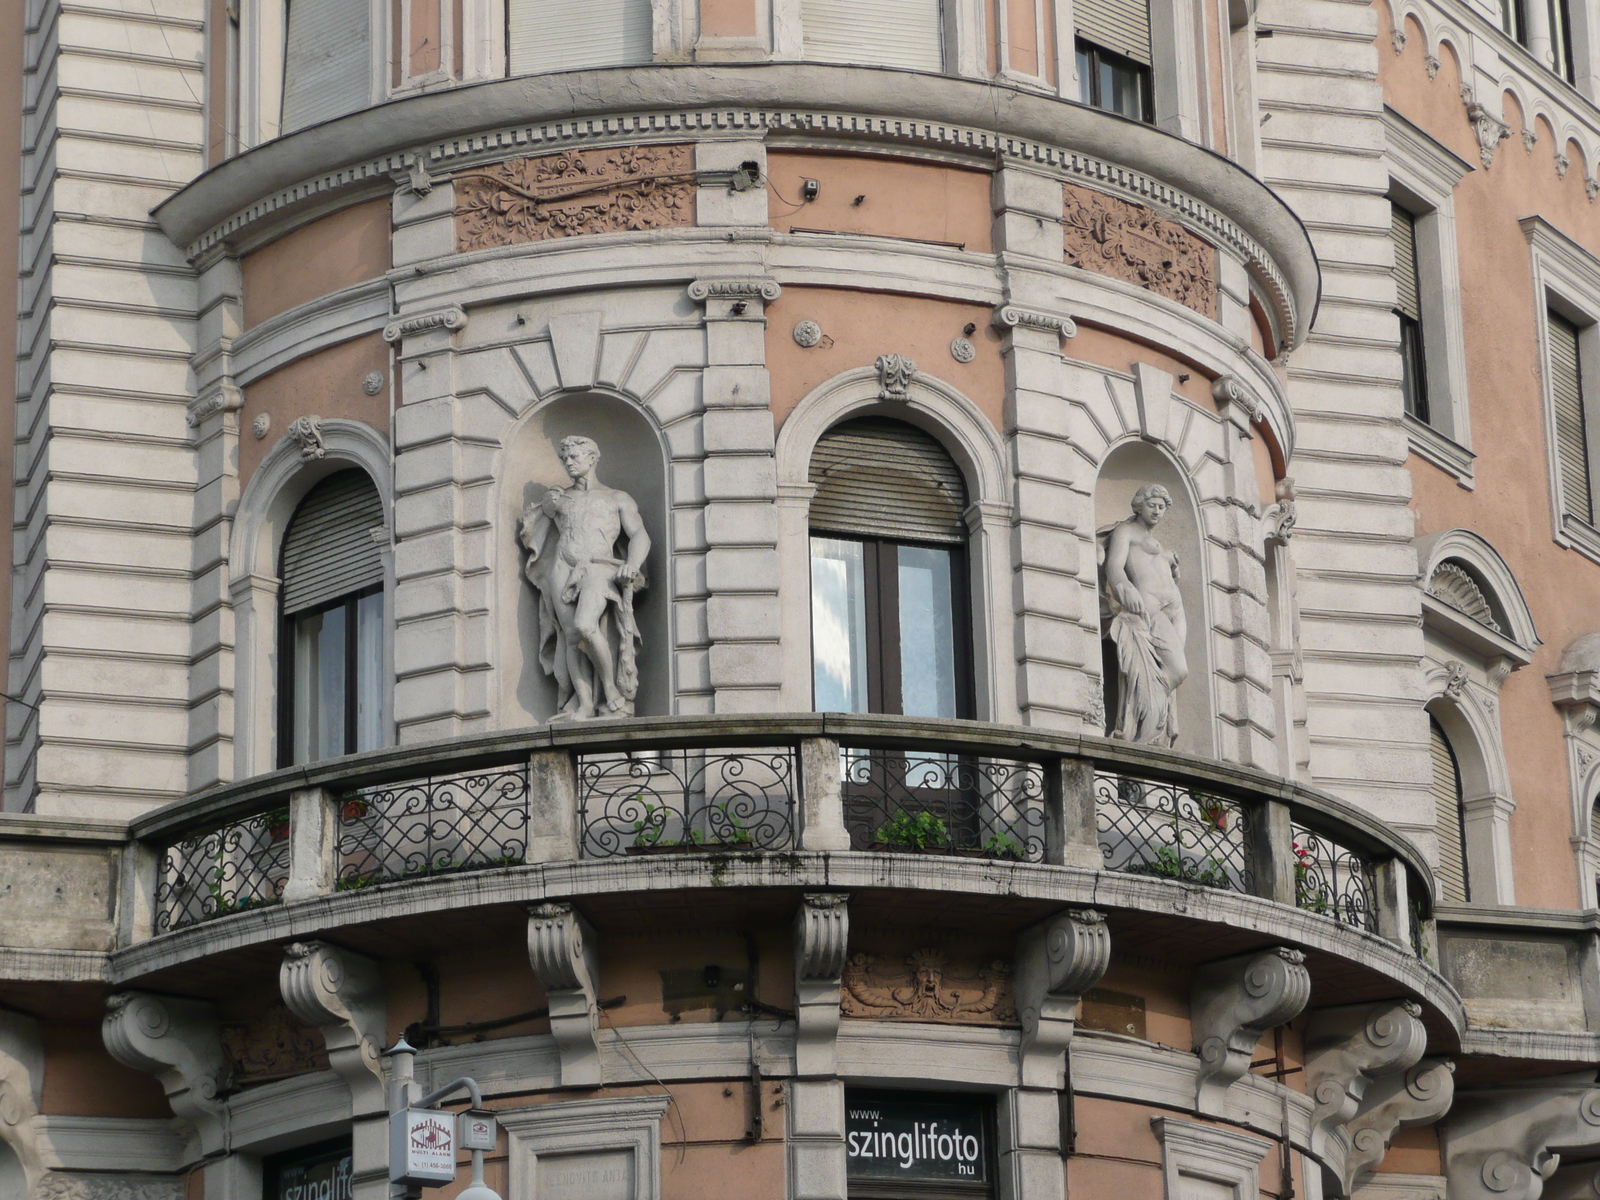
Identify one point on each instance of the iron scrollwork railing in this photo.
(675, 801)
(424, 827)
(912, 802)
(1172, 832)
(236, 867)
(1333, 880)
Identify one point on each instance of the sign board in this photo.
(917, 1137)
(477, 1130)
(322, 1174)
(422, 1146)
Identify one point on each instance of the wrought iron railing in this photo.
(685, 800)
(1170, 831)
(959, 804)
(1333, 880)
(232, 868)
(432, 826)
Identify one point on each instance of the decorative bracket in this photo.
(1491, 130)
(1497, 1145)
(451, 318)
(1058, 960)
(739, 291)
(1349, 1047)
(224, 397)
(21, 1089)
(561, 949)
(1232, 1003)
(894, 376)
(1009, 316)
(178, 1042)
(307, 431)
(1277, 522)
(821, 938)
(1237, 402)
(342, 994)
(1419, 1096)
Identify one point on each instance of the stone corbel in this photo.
(1009, 316)
(1577, 695)
(821, 936)
(21, 1088)
(452, 318)
(1232, 1003)
(738, 291)
(894, 376)
(307, 431)
(1057, 961)
(342, 994)
(1491, 130)
(561, 949)
(177, 1041)
(1239, 407)
(1277, 523)
(1579, 1182)
(1504, 1144)
(224, 397)
(1419, 1096)
(1347, 1048)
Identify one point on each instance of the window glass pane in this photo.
(319, 685)
(927, 633)
(369, 672)
(1085, 76)
(838, 625)
(1119, 89)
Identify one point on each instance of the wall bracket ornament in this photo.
(894, 376)
(223, 398)
(1497, 1144)
(1232, 1003)
(1349, 1047)
(342, 994)
(1418, 1096)
(1009, 316)
(1490, 129)
(452, 318)
(177, 1041)
(307, 431)
(1057, 961)
(821, 938)
(561, 950)
(1277, 523)
(21, 1090)
(747, 287)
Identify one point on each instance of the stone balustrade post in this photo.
(1393, 901)
(136, 898)
(1071, 837)
(552, 806)
(313, 834)
(1271, 850)
(821, 796)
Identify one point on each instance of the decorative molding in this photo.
(821, 941)
(1530, 139)
(1218, 1159)
(1009, 316)
(925, 988)
(452, 318)
(225, 397)
(561, 950)
(1451, 584)
(307, 431)
(1491, 130)
(343, 995)
(276, 1045)
(179, 1042)
(1497, 1144)
(55, 1186)
(894, 375)
(1232, 1003)
(1278, 521)
(1057, 961)
(1229, 390)
(1563, 164)
(608, 1147)
(1130, 242)
(1418, 1096)
(962, 350)
(1349, 1047)
(573, 192)
(1397, 39)
(1455, 678)
(748, 287)
(1432, 64)
(807, 333)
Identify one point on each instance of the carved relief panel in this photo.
(574, 192)
(1129, 242)
(939, 980)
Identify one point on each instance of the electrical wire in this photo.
(672, 1100)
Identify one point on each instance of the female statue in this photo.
(1147, 623)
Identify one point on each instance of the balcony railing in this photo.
(803, 782)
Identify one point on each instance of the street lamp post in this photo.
(423, 1138)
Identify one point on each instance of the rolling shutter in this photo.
(874, 33)
(1122, 26)
(886, 479)
(560, 35)
(1447, 819)
(1566, 391)
(328, 551)
(1404, 232)
(327, 61)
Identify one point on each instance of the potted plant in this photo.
(917, 832)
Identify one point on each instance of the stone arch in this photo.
(265, 508)
(1489, 571)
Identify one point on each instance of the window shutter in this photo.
(328, 551)
(886, 479)
(560, 35)
(1122, 26)
(874, 33)
(1404, 232)
(327, 61)
(1447, 822)
(1566, 390)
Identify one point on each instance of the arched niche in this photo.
(1125, 469)
(631, 460)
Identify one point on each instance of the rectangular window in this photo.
(904, 1144)
(1561, 39)
(1514, 20)
(1571, 432)
(1408, 307)
(335, 690)
(1112, 82)
(875, 33)
(556, 35)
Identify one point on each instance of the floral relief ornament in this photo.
(926, 989)
(574, 192)
(894, 376)
(1130, 242)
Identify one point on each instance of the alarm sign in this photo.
(477, 1129)
(422, 1147)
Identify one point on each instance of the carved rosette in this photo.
(925, 986)
(1129, 242)
(574, 192)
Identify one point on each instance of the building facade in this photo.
(955, 598)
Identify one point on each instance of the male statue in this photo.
(1148, 625)
(582, 585)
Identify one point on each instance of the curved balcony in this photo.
(1190, 859)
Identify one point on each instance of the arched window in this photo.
(888, 573)
(331, 694)
(1449, 819)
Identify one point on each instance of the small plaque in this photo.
(422, 1147)
(603, 1175)
(477, 1130)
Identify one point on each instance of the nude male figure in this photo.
(1142, 579)
(585, 580)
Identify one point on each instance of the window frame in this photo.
(1422, 178)
(287, 713)
(1146, 76)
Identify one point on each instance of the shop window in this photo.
(316, 1173)
(332, 696)
(327, 61)
(876, 33)
(888, 573)
(1449, 819)
(555, 35)
(918, 1144)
